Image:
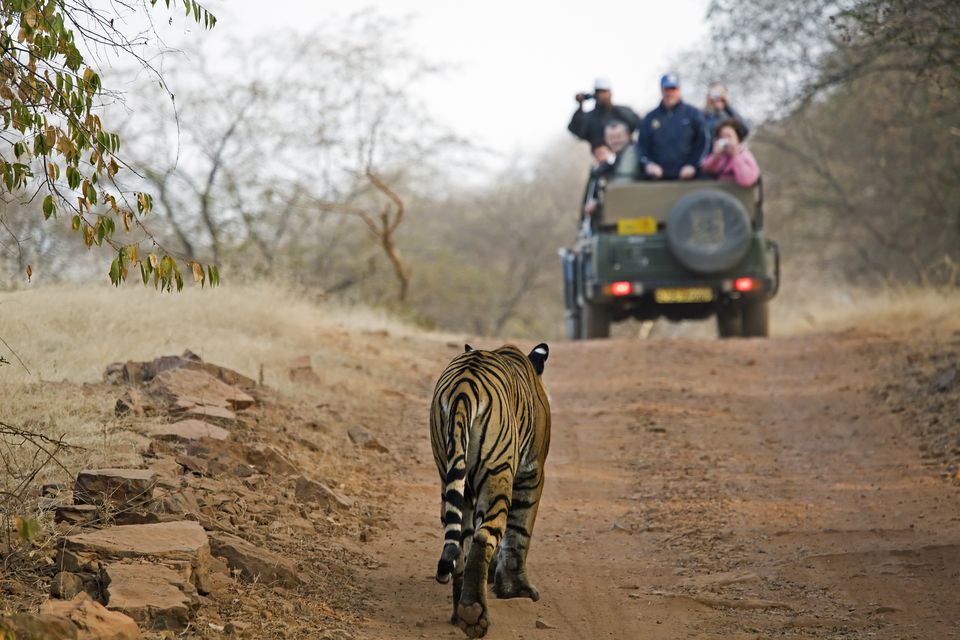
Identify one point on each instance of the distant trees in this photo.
(862, 150)
(53, 139)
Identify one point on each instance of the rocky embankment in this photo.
(211, 535)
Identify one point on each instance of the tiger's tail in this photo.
(457, 429)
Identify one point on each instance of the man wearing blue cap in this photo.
(590, 125)
(673, 136)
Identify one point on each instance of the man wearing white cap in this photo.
(590, 125)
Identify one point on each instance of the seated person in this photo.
(672, 137)
(603, 158)
(731, 161)
(623, 166)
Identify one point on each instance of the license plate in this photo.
(688, 294)
(636, 226)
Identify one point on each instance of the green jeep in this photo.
(683, 250)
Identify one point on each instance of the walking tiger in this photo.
(490, 432)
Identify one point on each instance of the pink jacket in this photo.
(741, 167)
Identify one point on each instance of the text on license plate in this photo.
(687, 294)
(636, 226)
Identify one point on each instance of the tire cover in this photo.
(708, 231)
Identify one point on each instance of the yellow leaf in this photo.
(30, 17)
(197, 272)
(29, 272)
(154, 261)
(132, 254)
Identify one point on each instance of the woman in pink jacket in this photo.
(731, 160)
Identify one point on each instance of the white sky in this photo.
(513, 66)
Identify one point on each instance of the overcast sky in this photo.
(512, 66)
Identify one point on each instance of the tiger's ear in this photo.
(467, 348)
(539, 357)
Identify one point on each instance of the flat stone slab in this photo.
(155, 596)
(116, 487)
(253, 562)
(197, 387)
(182, 545)
(91, 619)
(187, 430)
(308, 490)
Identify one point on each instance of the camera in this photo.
(723, 143)
(585, 96)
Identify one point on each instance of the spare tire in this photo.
(708, 231)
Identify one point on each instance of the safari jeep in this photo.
(682, 250)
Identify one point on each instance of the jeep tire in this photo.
(756, 319)
(595, 321)
(574, 323)
(729, 322)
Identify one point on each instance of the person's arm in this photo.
(645, 142)
(628, 116)
(698, 147)
(712, 164)
(577, 124)
(745, 168)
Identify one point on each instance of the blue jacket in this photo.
(672, 138)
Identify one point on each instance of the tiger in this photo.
(490, 433)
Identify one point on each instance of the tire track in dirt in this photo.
(700, 489)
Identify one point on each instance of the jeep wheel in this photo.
(574, 324)
(729, 322)
(595, 321)
(756, 319)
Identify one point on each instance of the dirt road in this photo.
(701, 489)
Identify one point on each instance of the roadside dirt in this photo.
(801, 487)
(705, 489)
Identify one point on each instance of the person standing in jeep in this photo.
(590, 125)
(673, 136)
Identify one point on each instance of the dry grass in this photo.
(73, 333)
(815, 309)
(66, 337)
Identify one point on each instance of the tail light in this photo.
(622, 288)
(745, 284)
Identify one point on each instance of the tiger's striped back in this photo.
(490, 432)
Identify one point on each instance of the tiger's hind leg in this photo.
(511, 579)
(465, 543)
(492, 505)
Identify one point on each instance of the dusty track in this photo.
(698, 489)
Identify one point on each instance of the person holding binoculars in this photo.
(590, 125)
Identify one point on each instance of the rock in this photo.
(91, 619)
(135, 402)
(542, 624)
(207, 413)
(182, 545)
(53, 490)
(192, 464)
(155, 596)
(308, 490)
(186, 387)
(66, 585)
(270, 460)
(23, 626)
(186, 430)
(180, 501)
(76, 514)
(138, 373)
(115, 487)
(363, 437)
(252, 562)
(302, 371)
